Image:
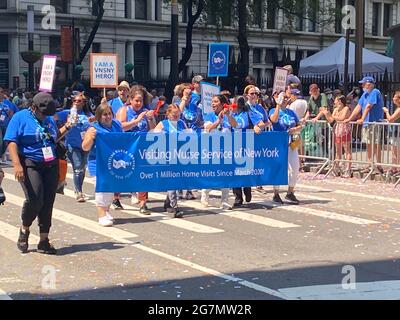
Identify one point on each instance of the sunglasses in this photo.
(78, 100)
(253, 93)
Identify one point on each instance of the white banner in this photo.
(47, 76)
(208, 90)
(103, 70)
(280, 79)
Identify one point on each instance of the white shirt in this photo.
(299, 107)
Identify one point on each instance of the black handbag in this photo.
(61, 150)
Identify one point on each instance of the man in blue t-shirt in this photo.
(370, 106)
(123, 92)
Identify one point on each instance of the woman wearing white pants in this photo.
(284, 119)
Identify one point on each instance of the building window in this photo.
(376, 18)
(184, 12)
(256, 55)
(387, 18)
(312, 15)
(3, 4)
(127, 8)
(258, 13)
(60, 5)
(96, 47)
(338, 16)
(95, 7)
(141, 9)
(269, 55)
(272, 15)
(3, 43)
(55, 45)
(299, 24)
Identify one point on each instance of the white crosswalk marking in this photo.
(350, 193)
(11, 233)
(237, 214)
(113, 233)
(179, 223)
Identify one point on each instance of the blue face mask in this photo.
(365, 90)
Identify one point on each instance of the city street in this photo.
(342, 242)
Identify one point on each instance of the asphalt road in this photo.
(342, 242)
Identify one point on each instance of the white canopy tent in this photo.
(331, 59)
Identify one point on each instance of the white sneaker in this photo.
(109, 216)
(105, 222)
(134, 199)
(204, 204)
(226, 206)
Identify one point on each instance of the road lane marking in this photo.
(350, 193)
(4, 295)
(378, 290)
(236, 214)
(10, 232)
(215, 273)
(113, 233)
(158, 217)
(320, 213)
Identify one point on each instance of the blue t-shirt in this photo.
(4, 117)
(243, 117)
(196, 99)
(211, 117)
(170, 127)
(193, 117)
(62, 117)
(116, 104)
(287, 119)
(116, 126)
(30, 137)
(375, 98)
(11, 105)
(259, 108)
(131, 114)
(75, 136)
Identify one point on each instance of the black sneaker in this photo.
(144, 210)
(2, 196)
(190, 195)
(175, 212)
(292, 198)
(22, 243)
(237, 203)
(277, 198)
(46, 247)
(117, 205)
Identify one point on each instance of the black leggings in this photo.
(39, 186)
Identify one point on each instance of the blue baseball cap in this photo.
(367, 79)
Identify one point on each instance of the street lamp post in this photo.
(360, 17)
(31, 30)
(174, 42)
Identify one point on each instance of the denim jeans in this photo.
(78, 159)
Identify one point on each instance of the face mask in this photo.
(365, 90)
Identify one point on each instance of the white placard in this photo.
(103, 70)
(280, 79)
(47, 76)
(208, 90)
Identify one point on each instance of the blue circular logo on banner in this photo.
(218, 60)
(121, 164)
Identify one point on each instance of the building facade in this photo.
(133, 29)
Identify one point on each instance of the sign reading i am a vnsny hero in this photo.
(103, 70)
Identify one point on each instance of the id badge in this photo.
(2, 117)
(48, 154)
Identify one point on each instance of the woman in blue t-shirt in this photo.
(31, 136)
(246, 119)
(104, 124)
(173, 124)
(220, 119)
(74, 137)
(284, 119)
(137, 117)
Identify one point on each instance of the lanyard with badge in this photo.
(3, 112)
(47, 151)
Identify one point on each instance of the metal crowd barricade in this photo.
(366, 147)
(316, 145)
